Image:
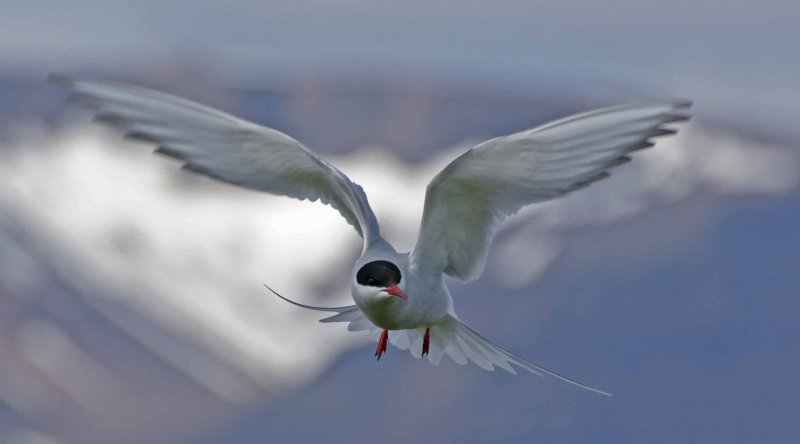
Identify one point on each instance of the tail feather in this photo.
(456, 354)
(473, 353)
(462, 344)
(348, 313)
(449, 336)
(360, 324)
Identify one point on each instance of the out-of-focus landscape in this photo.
(131, 301)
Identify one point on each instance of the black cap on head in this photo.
(381, 274)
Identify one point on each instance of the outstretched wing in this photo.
(468, 200)
(225, 147)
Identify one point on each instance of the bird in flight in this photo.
(401, 297)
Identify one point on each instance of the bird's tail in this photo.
(356, 321)
(462, 344)
(448, 336)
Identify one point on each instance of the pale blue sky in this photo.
(737, 59)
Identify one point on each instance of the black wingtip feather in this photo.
(617, 162)
(141, 137)
(588, 181)
(109, 119)
(167, 151)
(642, 146)
(660, 132)
(189, 166)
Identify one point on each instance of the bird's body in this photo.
(400, 297)
(392, 313)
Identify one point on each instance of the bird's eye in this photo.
(371, 281)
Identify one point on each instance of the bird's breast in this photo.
(423, 307)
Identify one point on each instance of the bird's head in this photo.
(379, 278)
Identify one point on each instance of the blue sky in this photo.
(734, 58)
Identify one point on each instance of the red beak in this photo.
(394, 290)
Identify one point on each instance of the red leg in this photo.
(426, 341)
(381, 348)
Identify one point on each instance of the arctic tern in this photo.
(401, 297)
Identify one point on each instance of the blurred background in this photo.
(131, 301)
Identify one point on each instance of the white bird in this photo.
(402, 296)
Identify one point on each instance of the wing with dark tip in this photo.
(225, 147)
(468, 200)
